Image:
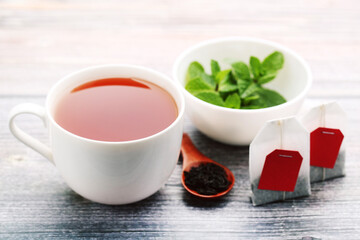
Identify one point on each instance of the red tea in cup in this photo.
(116, 109)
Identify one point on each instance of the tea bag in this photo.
(279, 162)
(327, 125)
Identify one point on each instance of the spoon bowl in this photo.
(192, 157)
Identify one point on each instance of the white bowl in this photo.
(239, 126)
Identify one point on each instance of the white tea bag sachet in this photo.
(327, 125)
(279, 162)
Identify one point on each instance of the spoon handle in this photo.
(189, 151)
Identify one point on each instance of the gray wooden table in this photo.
(41, 41)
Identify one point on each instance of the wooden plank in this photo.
(35, 203)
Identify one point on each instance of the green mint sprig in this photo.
(238, 87)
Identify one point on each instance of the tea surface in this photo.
(116, 109)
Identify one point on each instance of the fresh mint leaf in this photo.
(233, 101)
(248, 100)
(208, 79)
(210, 97)
(222, 75)
(242, 85)
(241, 71)
(253, 87)
(227, 83)
(268, 98)
(196, 85)
(255, 66)
(273, 62)
(195, 69)
(215, 68)
(271, 97)
(224, 95)
(267, 78)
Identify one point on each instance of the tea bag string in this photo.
(280, 123)
(322, 115)
(322, 124)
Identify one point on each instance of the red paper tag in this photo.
(325, 146)
(280, 171)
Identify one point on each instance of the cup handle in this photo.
(39, 111)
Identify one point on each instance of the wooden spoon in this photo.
(192, 157)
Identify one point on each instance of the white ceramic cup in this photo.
(239, 126)
(107, 172)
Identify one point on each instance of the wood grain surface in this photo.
(42, 41)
